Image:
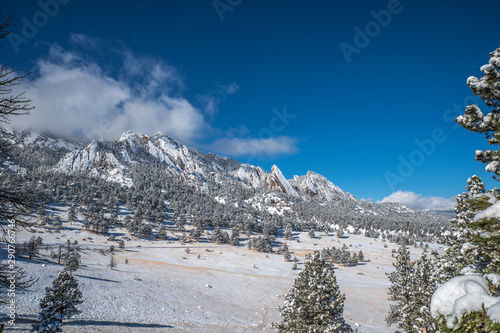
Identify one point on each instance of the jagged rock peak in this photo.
(281, 181)
(314, 184)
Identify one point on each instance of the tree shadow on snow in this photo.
(94, 278)
(90, 322)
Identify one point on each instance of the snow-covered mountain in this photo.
(190, 165)
(311, 197)
(316, 185)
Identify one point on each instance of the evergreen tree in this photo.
(235, 238)
(72, 214)
(161, 233)
(424, 282)
(311, 233)
(462, 253)
(72, 261)
(286, 253)
(480, 247)
(400, 290)
(361, 256)
(195, 234)
(486, 236)
(181, 222)
(57, 223)
(32, 246)
(112, 262)
(412, 286)
(315, 303)
(59, 303)
(113, 219)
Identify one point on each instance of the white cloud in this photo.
(229, 89)
(74, 96)
(416, 201)
(211, 101)
(99, 89)
(281, 145)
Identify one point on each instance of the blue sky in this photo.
(292, 83)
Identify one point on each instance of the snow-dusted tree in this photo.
(161, 233)
(32, 246)
(235, 238)
(59, 303)
(424, 282)
(14, 205)
(465, 304)
(314, 303)
(57, 223)
(311, 233)
(195, 234)
(482, 211)
(72, 213)
(262, 243)
(286, 253)
(486, 224)
(412, 285)
(72, 261)
(462, 253)
(112, 262)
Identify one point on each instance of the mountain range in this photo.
(271, 191)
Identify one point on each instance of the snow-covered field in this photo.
(213, 288)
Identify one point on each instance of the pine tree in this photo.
(72, 214)
(57, 223)
(400, 290)
(72, 261)
(235, 238)
(161, 233)
(424, 282)
(486, 88)
(59, 303)
(112, 262)
(462, 253)
(481, 251)
(195, 234)
(286, 253)
(314, 303)
(311, 233)
(32, 246)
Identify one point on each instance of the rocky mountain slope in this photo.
(311, 199)
(110, 159)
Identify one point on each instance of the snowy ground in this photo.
(212, 288)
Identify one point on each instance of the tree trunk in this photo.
(59, 257)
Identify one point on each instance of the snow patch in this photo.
(492, 212)
(464, 294)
